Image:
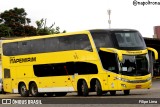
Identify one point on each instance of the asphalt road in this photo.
(151, 97)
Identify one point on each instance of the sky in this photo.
(77, 15)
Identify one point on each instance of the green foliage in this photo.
(5, 30)
(14, 22)
(42, 29)
(30, 30)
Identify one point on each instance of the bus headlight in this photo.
(122, 79)
(148, 78)
(123, 85)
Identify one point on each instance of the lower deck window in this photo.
(62, 69)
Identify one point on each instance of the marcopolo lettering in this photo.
(22, 60)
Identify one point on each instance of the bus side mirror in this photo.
(154, 51)
(112, 50)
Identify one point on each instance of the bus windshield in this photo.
(137, 65)
(129, 39)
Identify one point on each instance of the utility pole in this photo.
(109, 20)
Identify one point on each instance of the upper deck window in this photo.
(129, 39)
(102, 39)
(44, 45)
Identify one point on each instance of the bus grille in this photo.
(137, 81)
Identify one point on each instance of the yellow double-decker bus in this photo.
(102, 60)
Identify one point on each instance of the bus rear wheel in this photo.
(83, 89)
(34, 90)
(23, 90)
(126, 92)
(98, 88)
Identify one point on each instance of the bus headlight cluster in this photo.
(148, 78)
(123, 85)
(122, 79)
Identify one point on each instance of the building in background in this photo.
(156, 32)
(155, 43)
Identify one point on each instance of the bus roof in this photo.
(62, 34)
(110, 30)
(41, 36)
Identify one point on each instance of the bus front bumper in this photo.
(128, 86)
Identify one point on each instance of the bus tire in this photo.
(83, 89)
(23, 90)
(34, 90)
(113, 93)
(98, 88)
(3, 92)
(126, 92)
(60, 93)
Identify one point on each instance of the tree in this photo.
(42, 29)
(30, 30)
(15, 22)
(5, 30)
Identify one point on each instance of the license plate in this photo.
(138, 86)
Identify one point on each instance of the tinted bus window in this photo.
(51, 44)
(24, 47)
(10, 48)
(129, 40)
(66, 43)
(63, 69)
(102, 39)
(112, 57)
(82, 43)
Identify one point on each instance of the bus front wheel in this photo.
(83, 88)
(98, 88)
(34, 90)
(23, 90)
